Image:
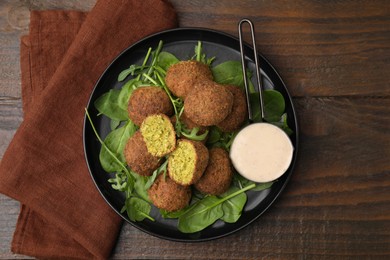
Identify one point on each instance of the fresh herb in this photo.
(206, 211)
(115, 143)
(137, 209)
(108, 105)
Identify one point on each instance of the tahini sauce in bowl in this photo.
(261, 152)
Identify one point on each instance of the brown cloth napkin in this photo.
(62, 214)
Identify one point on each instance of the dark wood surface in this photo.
(334, 57)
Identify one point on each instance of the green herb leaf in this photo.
(282, 123)
(274, 105)
(108, 105)
(137, 209)
(166, 59)
(115, 142)
(232, 208)
(193, 134)
(230, 72)
(126, 91)
(139, 186)
(203, 214)
(114, 124)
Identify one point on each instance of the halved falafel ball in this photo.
(159, 134)
(239, 110)
(146, 101)
(168, 195)
(187, 162)
(218, 175)
(137, 156)
(183, 75)
(208, 103)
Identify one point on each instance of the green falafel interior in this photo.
(182, 163)
(160, 137)
(159, 134)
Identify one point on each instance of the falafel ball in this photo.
(208, 103)
(137, 156)
(146, 101)
(239, 110)
(187, 162)
(183, 75)
(168, 195)
(218, 175)
(159, 134)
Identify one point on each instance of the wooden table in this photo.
(334, 57)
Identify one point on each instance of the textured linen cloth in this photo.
(63, 216)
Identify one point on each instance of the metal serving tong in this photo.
(258, 74)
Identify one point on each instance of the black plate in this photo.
(181, 42)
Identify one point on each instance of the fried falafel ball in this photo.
(218, 175)
(159, 134)
(137, 156)
(187, 162)
(146, 101)
(183, 75)
(239, 111)
(168, 195)
(208, 103)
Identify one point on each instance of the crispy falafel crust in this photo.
(168, 195)
(201, 158)
(218, 175)
(208, 103)
(137, 156)
(145, 101)
(239, 111)
(183, 75)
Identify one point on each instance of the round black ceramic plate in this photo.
(181, 43)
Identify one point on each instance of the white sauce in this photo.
(261, 152)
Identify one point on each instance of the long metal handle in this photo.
(258, 74)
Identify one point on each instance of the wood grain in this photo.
(334, 57)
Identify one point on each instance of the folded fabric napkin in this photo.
(62, 214)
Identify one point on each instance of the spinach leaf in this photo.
(166, 59)
(108, 105)
(282, 123)
(125, 92)
(204, 213)
(139, 186)
(114, 124)
(274, 105)
(115, 141)
(137, 209)
(230, 72)
(232, 208)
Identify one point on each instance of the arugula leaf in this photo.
(108, 105)
(200, 56)
(115, 141)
